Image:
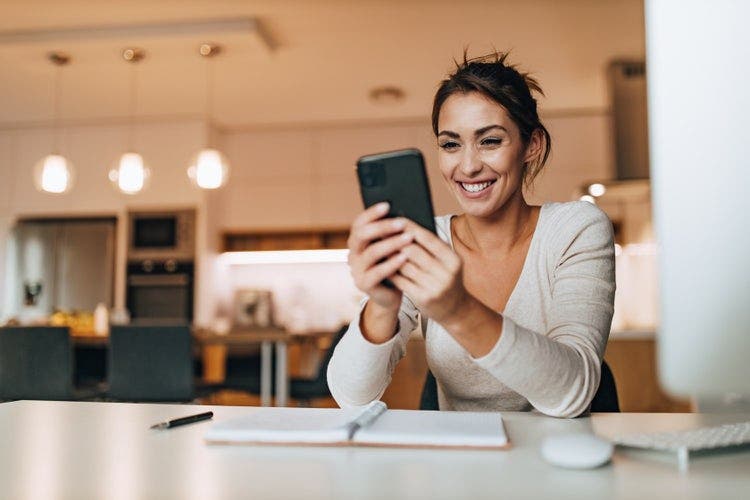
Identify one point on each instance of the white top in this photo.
(83, 451)
(555, 329)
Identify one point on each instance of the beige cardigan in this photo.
(555, 329)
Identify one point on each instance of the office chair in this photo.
(150, 363)
(36, 362)
(243, 372)
(605, 399)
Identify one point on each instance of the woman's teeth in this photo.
(475, 187)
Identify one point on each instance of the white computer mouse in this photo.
(576, 451)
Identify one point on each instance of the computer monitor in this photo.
(698, 69)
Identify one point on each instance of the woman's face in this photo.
(481, 153)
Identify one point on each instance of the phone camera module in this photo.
(372, 175)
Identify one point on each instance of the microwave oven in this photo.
(161, 235)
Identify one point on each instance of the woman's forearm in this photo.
(378, 324)
(360, 369)
(475, 326)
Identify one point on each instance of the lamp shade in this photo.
(209, 169)
(54, 174)
(130, 174)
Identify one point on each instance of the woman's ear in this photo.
(534, 147)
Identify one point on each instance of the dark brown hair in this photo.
(503, 83)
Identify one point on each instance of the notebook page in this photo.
(284, 425)
(435, 428)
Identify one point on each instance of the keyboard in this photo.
(705, 438)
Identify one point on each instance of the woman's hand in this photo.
(432, 275)
(374, 244)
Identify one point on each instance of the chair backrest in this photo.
(429, 398)
(150, 363)
(322, 375)
(605, 399)
(36, 362)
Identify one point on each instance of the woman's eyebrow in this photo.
(477, 133)
(488, 128)
(449, 134)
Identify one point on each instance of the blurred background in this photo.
(159, 161)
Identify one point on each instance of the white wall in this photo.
(582, 151)
(304, 176)
(93, 149)
(166, 147)
(306, 296)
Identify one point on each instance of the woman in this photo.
(518, 298)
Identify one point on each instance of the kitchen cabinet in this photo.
(633, 363)
(303, 239)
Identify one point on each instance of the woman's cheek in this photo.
(498, 160)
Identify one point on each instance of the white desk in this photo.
(105, 450)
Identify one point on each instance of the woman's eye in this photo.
(449, 145)
(491, 141)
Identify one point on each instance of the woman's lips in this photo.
(475, 189)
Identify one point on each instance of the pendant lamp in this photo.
(130, 173)
(54, 173)
(209, 168)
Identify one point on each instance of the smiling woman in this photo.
(510, 89)
(518, 298)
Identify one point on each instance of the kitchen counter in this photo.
(632, 335)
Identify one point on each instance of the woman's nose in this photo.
(470, 162)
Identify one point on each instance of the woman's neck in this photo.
(513, 224)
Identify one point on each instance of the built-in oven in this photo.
(161, 235)
(160, 290)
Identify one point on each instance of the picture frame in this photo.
(253, 307)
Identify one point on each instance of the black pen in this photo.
(183, 421)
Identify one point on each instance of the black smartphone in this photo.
(398, 177)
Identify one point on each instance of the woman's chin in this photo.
(485, 207)
(476, 209)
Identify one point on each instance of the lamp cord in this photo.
(133, 105)
(56, 105)
(209, 98)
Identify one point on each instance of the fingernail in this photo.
(407, 236)
(398, 224)
(383, 206)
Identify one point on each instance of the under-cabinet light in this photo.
(285, 257)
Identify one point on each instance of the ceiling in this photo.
(328, 56)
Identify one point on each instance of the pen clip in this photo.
(370, 413)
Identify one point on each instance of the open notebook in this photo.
(372, 426)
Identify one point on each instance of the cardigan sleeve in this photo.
(359, 370)
(558, 371)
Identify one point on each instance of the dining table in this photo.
(214, 344)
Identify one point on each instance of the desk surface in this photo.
(106, 450)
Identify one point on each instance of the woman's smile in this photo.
(476, 189)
